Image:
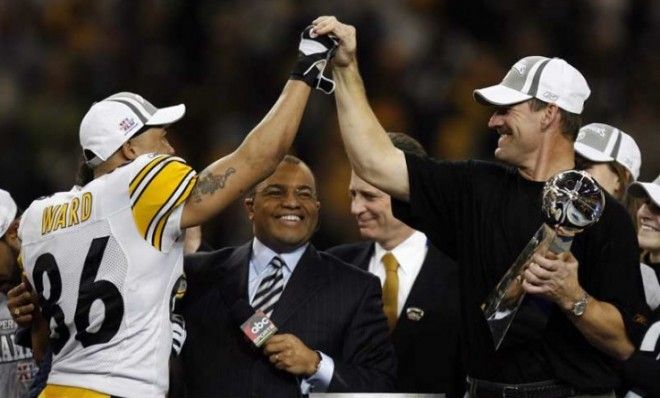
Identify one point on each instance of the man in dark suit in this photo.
(332, 332)
(423, 309)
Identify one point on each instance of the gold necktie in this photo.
(390, 289)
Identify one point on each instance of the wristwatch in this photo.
(580, 305)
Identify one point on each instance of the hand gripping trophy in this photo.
(572, 201)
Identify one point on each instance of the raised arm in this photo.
(370, 151)
(226, 179)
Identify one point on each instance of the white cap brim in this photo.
(642, 189)
(591, 153)
(499, 95)
(165, 116)
(8, 211)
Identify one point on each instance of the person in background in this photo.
(642, 369)
(17, 367)
(420, 294)
(611, 156)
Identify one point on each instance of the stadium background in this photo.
(227, 61)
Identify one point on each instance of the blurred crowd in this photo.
(226, 60)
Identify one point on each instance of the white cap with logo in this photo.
(8, 211)
(552, 80)
(111, 122)
(642, 189)
(601, 142)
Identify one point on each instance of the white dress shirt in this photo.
(260, 265)
(410, 255)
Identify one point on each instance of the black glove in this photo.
(314, 52)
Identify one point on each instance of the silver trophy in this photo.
(572, 201)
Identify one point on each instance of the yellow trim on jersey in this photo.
(161, 191)
(145, 170)
(167, 205)
(56, 391)
(157, 240)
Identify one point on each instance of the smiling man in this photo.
(420, 290)
(332, 332)
(579, 312)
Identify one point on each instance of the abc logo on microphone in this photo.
(258, 328)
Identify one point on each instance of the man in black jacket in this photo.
(332, 331)
(424, 324)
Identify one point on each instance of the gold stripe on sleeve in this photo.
(158, 233)
(156, 194)
(145, 170)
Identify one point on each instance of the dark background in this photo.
(227, 61)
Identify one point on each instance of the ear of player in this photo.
(314, 53)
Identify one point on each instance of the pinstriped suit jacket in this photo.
(331, 306)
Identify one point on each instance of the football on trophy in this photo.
(572, 201)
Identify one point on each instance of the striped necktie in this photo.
(270, 289)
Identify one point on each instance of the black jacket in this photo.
(428, 349)
(329, 305)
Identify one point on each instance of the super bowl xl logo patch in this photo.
(127, 124)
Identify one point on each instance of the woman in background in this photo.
(642, 369)
(611, 156)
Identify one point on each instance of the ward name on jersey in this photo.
(64, 215)
(104, 259)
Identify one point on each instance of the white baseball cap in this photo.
(8, 211)
(601, 142)
(642, 189)
(111, 122)
(551, 80)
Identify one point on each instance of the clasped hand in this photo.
(288, 353)
(554, 277)
(22, 303)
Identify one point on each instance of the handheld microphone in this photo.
(256, 326)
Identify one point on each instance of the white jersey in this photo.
(104, 259)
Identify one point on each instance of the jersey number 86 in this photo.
(90, 290)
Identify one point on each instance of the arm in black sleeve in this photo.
(368, 359)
